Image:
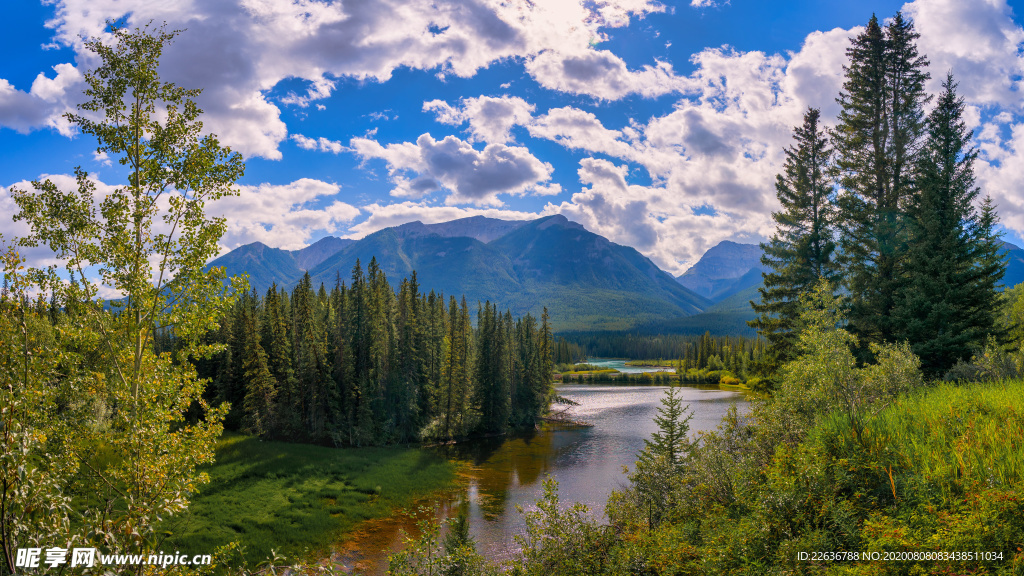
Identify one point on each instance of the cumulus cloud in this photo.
(45, 102)
(979, 42)
(490, 119)
(282, 216)
(601, 74)
(580, 130)
(238, 50)
(1002, 171)
(469, 175)
(322, 144)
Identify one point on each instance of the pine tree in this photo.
(409, 369)
(381, 352)
(492, 370)
(877, 142)
(659, 465)
(954, 261)
(801, 250)
(449, 383)
(260, 387)
(276, 343)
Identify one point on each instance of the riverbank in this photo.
(300, 500)
(935, 480)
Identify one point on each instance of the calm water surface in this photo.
(620, 365)
(586, 461)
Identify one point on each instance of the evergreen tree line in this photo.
(361, 364)
(732, 352)
(566, 352)
(884, 206)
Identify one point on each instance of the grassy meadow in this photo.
(299, 499)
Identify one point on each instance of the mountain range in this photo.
(587, 282)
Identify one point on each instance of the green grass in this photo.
(947, 442)
(652, 363)
(939, 470)
(299, 499)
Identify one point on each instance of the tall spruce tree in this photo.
(801, 250)
(260, 387)
(954, 259)
(877, 143)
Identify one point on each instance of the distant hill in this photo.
(1014, 265)
(724, 270)
(585, 280)
(266, 265)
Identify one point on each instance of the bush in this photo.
(993, 362)
(825, 377)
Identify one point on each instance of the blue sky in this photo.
(658, 125)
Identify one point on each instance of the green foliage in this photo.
(877, 143)
(36, 461)
(825, 376)
(561, 540)
(432, 555)
(131, 450)
(800, 252)
(1010, 318)
(660, 465)
(993, 362)
(954, 260)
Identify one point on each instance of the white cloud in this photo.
(45, 102)
(101, 158)
(282, 216)
(322, 144)
(1002, 172)
(469, 175)
(490, 119)
(240, 49)
(979, 42)
(601, 74)
(580, 130)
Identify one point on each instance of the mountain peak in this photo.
(557, 220)
(307, 258)
(481, 228)
(723, 270)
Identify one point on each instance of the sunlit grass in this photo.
(299, 499)
(949, 440)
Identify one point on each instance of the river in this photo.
(587, 462)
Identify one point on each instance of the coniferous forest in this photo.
(362, 364)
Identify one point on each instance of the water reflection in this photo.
(587, 462)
